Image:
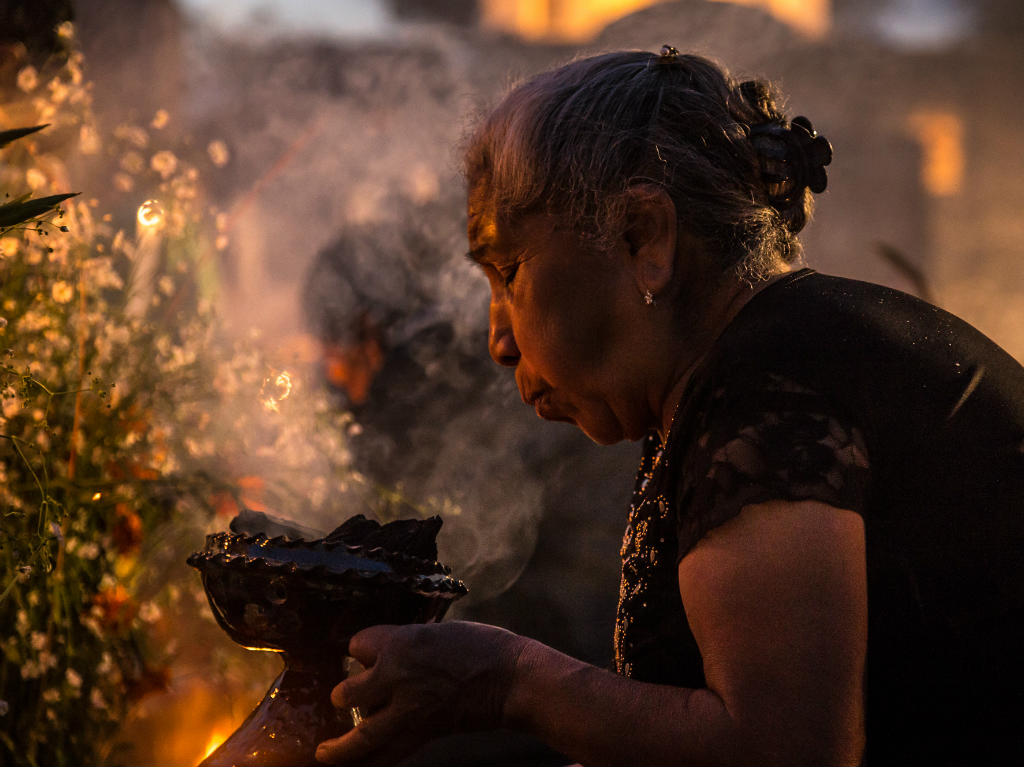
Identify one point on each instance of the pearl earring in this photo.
(649, 297)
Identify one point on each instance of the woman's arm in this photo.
(777, 601)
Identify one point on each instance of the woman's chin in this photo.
(602, 434)
(605, 431)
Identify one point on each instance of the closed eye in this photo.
(509, 275)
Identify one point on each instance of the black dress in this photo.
(867, 399)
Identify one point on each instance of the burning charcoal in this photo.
(353, 530)
(414, 537)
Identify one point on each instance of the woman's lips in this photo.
(541, 402)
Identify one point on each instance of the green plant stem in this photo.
(14, 441)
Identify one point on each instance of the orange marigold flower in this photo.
(116, 608)
(127, 532)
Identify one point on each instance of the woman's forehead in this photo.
(482, 216)
(481, 220)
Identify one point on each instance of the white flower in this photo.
(101, 274)
(44, 109)
(160, 119)
(74, 678)
(150, 612)
(58, 90)
(92, 623)
(133, 162)
(219, 154)
(4, 707)
(51, 696)
(9, 246)
(96, 698)
(35, 178)
(164, 163)
(31, 669)
(34, 321)
(88, 140)
(62, 292)
(89, 550)
(47, 660)
(133, 134)
(28, 79)
(38, 641)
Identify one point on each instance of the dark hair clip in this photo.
(801, 151)
(669, 52)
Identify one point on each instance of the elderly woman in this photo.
(822, 559)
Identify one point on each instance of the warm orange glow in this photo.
(187, 720)
(940, 134)
(353, 367)
(812, 17)
(565, 20)
(581, 20)
(527, 18)
(218, 737)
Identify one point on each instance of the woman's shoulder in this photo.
(808, 307)
(851, 341)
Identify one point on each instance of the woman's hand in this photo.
(420, 682)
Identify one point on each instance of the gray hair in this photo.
(574, 140)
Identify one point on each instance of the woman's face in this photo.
(560, 314)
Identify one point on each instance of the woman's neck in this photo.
(700, 330)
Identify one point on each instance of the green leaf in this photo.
(18, 212)
(7, 136)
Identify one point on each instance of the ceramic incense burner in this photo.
(305, 599)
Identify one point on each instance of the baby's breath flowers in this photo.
(124, 434)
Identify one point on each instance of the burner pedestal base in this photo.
(285, 728)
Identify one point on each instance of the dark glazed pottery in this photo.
(305, 599)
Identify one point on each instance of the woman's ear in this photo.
(650, 234)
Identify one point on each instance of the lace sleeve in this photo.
(776, 440)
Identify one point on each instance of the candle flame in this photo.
(151, 214)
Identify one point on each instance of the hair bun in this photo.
(793, 158)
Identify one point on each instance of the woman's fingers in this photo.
(422, 681)
(384, 738)
(366, 645)
(366, 689)
(355, 746)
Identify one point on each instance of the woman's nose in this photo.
(501, 341)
